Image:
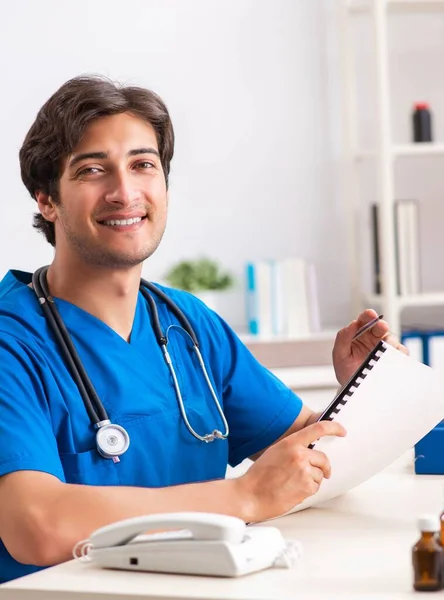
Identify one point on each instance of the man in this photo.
(97, 160)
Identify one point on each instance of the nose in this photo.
(121, 189)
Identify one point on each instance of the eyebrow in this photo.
(104, 155)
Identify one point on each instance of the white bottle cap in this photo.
(429, 523)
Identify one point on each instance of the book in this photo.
(414, 342)
(406, 236)
(282, 298)
(391, 402)
(278, 315)
(435, 343)
(296, 297)
(259, 298)
(426, 346)
(251, 298)
(407, 241)
(376, 250)
(314, 309)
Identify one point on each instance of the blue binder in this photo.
(429, 451)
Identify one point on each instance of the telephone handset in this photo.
(202, 526)
(194, 543)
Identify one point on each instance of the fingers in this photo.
(393, 340)
(345, 336)
(311, 433)
(367, 315)
(317, 475)
(378, 330)
(319, 461)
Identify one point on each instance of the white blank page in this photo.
(399, 401)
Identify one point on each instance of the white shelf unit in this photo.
(386, 154)
(404, 150)
(357, 7)
(423, 149)
(430, 299)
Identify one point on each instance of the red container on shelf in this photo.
(422, 122)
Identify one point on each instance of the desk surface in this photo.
(355, 546)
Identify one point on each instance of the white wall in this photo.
(251, 86)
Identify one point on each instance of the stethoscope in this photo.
(113, 440)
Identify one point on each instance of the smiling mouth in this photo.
(121, 222)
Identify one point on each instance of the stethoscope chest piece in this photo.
(111, 440)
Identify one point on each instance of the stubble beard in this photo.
(98, 256)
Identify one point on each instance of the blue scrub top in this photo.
(44, 425)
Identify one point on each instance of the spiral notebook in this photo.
(388, 405)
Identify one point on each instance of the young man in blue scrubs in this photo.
(96, 160)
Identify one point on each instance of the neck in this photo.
(108, 294)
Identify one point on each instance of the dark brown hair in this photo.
(62, 120)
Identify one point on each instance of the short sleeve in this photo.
(259, 408)
(27, 438)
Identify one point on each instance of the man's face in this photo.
(113, 198)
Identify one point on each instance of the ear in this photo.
(46, 206)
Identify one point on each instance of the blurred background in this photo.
(286, 136)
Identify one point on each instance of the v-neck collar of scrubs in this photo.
(69, 310)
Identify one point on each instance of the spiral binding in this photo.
(353, 383)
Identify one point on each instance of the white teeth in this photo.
(123, 221)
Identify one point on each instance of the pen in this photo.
(366, 327)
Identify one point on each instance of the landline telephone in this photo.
(201, 544)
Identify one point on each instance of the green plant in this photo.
(198, 275)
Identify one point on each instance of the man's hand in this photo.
(288, 472)
(349, 354)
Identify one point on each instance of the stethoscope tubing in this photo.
(94, 407)
(172, 306)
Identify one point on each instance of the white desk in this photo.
(356, 546)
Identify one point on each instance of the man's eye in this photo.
(89, 171)
(144, 165)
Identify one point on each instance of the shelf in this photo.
(383, 153)
(426, 299)
(405, 150)
(300, 378)
(280, 352)
(356, 7)
(419, 149)
(248, 338)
